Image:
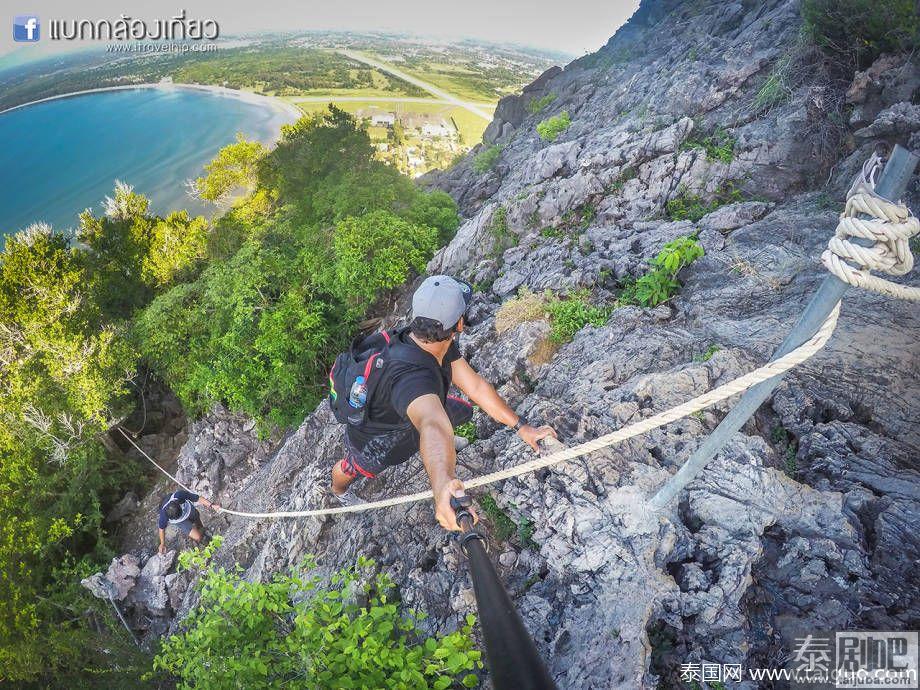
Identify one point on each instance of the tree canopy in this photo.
(246, 310)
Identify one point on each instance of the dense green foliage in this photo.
(858, 31)
(300, 631)
(234, 168)
(285, 72)
(327, 231)
(66, 367)
(570, 314)
(550, 128)
(247, 311)
(486, 159)
(660, 283)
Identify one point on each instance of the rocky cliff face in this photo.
(806, 521)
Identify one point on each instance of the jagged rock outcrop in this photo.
(807, 520)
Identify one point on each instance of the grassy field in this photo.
(465, 80)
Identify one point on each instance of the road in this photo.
(379, 99)
(441, 94)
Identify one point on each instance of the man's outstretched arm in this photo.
(484, 394)
(436, 435)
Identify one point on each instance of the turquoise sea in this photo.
(60, 157)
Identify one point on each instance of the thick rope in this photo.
(889, 226)
(701, 402)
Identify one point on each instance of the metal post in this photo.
(514, 663)
(891, 185)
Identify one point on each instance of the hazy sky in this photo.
(572, 26)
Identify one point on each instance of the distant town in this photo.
(423, 102)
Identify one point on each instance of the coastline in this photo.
(289, 109)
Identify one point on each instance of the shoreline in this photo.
(289, 109)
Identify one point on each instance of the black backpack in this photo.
(367, 356)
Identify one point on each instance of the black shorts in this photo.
(396, 446)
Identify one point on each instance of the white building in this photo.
(383, 119)
(436, 129)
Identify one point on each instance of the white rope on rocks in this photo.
(889, 227)
(718, 394)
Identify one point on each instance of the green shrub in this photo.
(486, 159)
(572, 313)
(376, 252)
(537, 105)
(719, 146)
(64, 376)
(467, 431)
(660, 283)
(693, 207)
(550, 128)
(302, 631)
(502, 237)
(858, 31)
(438, 210)
(256, 329)
(234, 168)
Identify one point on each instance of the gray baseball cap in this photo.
(441, 298)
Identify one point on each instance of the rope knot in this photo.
(889, 227)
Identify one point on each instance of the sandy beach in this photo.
(292, 112)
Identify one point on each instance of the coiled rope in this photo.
(890, 228)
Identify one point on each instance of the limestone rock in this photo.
(807, 520)
(118, 580)
(126, 506)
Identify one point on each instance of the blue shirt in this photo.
(178, 496)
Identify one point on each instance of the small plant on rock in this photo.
(502, 237)
(660, 283)
(526, 306)
(467, 431)
(572, 313)
(550, 128)
(537, 105)
(486, 159)
(693, 207)
(719, 146)
(788, 448)
(707, 355)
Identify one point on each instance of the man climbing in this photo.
(409, 409)
(178, 509)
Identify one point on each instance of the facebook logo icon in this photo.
(26, 28)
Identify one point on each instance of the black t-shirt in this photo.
(400, 383)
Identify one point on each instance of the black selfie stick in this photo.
(514, 663)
